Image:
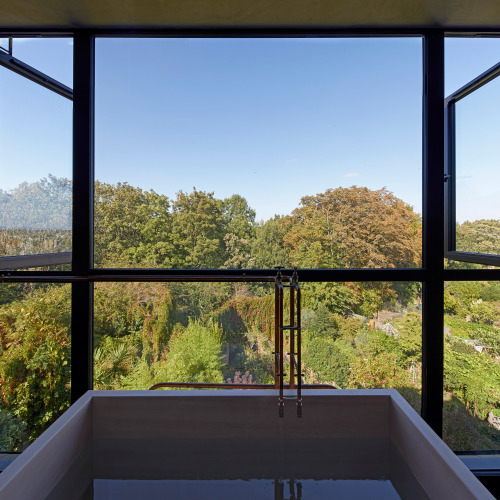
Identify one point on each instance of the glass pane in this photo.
(467, 58)
(471, 417)
(477, 162)
(35, 168)
(355, 335)
(52, 56)
(35, 362)
(364, 336)
(245, 153)
(145, 333)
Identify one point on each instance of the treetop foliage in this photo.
(354, 228)
(341, 228)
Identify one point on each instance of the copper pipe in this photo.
(276, 336)
(292, 338)
(209, 385)
(299, 353)
(281, 332)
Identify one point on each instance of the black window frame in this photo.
(450, 177)
(432, 274)
(8, 61)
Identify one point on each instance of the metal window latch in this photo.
(446, 177)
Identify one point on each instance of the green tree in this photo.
(491, 291)
(329, 359)
(197, 231)
(354, 228)
(336, 297)
(239, 222)
(268, 248)
(461, 296)
(239, 218)
(11, 432)
(381, 371)
(113, 360)
(34, 357)
(130, 224)
(144, 311)
(197, 300)
(472, 377)
(194, 355)
(320, 323)
(156, 247)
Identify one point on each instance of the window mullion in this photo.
(433, 229)
(83, 185)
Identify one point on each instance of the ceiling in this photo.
(34, 14)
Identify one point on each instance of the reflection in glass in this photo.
(249, 489)
(477, 194)
(35, 171)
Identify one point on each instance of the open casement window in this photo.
(35, 197)
(472, 221)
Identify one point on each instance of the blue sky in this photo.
(272, 120)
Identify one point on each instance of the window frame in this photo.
(8, 61)
(432, 274)
(450, 177)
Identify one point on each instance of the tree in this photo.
(35, 355)
(354, 228)
(329, 359)
(145, 310)
(239, 222)
(473, 377)
(155, 248)
(239, 218)
(11, 431)
(336, 297)
(36, 217)
(461, 296)
(195, 355)
(381, 371)
(113, 360)
(268, 248)
(130, 224)
(197, 231)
